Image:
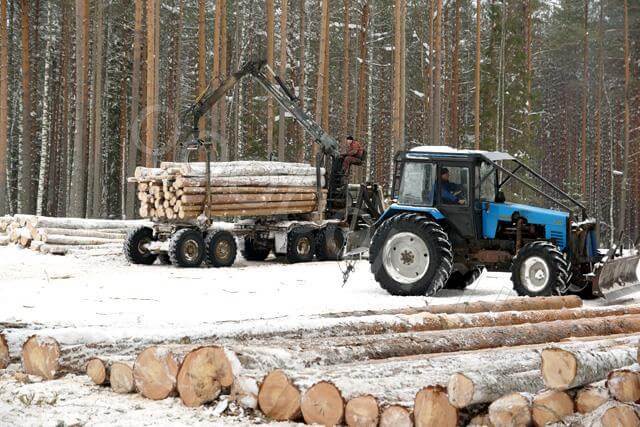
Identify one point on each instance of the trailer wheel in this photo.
(461, 281)
(330, 243)
(164, 259)
(410, 255)
(186, 248)
(221, 249)
(255, 250)
(300, 245)
(134, 249)
(539, 269)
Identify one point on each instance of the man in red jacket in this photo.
(354, 154)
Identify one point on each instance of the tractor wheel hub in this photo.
(406, 257)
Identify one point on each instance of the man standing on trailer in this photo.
(354, 154)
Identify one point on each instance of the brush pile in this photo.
(177, 191)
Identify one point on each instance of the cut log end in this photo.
(589, 399)
(460, 390)
(510, 410)
(621, 415)
(197, 379)
(550, 407)
(98, 371)
(278, 398)
(4, 352)
(480, 421)
(155, 372)
(432, 408)
(624, 385)
(121, 378)
(323, 404)
(395, 416)
(559, 368)
(362, 411)
(40, 356)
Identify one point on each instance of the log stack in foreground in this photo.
(177, 191)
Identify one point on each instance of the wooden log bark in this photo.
(204, 372)
(243, 190)
(70, 249)
(465, 389)
(322, 404)
(562, 369)
(121, 378)
(278, 398)
(305, 204)
(42, 233)
(336, 350)
(4, 352)
(551, 406)
(249, 168)
(362, 411)
(432, 408)
(86, 224)
(224, 199)
(624, 385)
(590, 398)
(247, 212)
(41, 357)
(57, 239)
(395, 416)
(251, 181)
(610, 414)
(512, 410)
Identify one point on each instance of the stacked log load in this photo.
(582, 377)
(60, 236)
(177, 191)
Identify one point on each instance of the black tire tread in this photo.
(174, 255)
(556, 257)
(463, 281)
(209, 240)
(131, 246)
(321, 244)
(441, 240)
(251, 253)
(292, 255)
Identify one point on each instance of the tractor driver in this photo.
(450, 192)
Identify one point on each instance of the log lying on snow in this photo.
(278, 398)
(41, 357)
(155, 371)
(4, 352)
(99, 371)
(432, 408)
(43, 233)
(85, 224)
(322, 404)
(395, 416)
(469, 388)
(347, 349)
(362, 411)
(511, 304)
(55, 239)
(121, 378)
(564, 369)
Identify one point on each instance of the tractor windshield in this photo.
(417, 184)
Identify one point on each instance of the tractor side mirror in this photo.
(500, 198)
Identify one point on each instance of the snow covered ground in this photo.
(101, 299)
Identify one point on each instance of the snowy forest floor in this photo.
(102, 300)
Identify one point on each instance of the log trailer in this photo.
(450, 219)
(340, 207)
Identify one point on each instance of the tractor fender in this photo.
(396, 209)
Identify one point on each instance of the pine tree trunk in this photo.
(215, 74)
(64, 158)
(437, 76)
(45, 134)
(4, 110)
(153, 16)
(202, 64)
(282, 122)
(322, 89)
(398, 70)
(27, 187)
(455, 142)
(346, 69)
(302, 56)
(363, 70)
(95, 194)
(477, 74)
(77, 200)
(585, 101)
(626, 132)
(270, 62)
(224, 143)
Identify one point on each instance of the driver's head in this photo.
(444, 175)
(349, 138)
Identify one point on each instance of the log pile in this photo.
(586, 374)
(61, 236)
(177, 191)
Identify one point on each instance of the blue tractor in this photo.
(449, 220)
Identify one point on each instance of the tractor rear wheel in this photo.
(255, 250)
(221, 249)
(134, 246)
(461, 281)
(539, 269)
(411, 255)
(186, 248)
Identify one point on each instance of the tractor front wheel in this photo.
(410, 255)
(539, 269)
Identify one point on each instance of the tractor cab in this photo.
(450, 219)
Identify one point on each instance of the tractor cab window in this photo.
(486, 182)
(417, 184)
(454, 185)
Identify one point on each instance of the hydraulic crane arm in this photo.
(273, 84)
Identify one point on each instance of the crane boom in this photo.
(273, 84)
